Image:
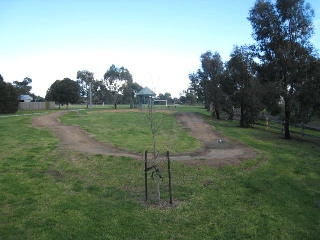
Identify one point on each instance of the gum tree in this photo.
(116, 80)
(207, 80)
(241, 84)
(84, 78)
(23, 87)
(282, 31)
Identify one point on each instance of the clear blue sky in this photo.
(160, 42)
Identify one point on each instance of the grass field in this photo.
(130, 130)
(48, 193)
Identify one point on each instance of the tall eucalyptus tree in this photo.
(84, 79)
(283, 30)
(116, 80)
(212, 74)
(241, 84)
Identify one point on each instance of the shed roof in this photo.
(146, 92)
(26, 97)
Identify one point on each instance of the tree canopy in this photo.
(282, 67)
(242, 85)
(84, 78)
(282, 31)
(206, 81)
(63, 92)
(23, 87)
(9, 97)
(116, 80)
(69, 91)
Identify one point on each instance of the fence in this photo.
(37, 105)
(279, 125)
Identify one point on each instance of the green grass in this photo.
(129, 130)
(47, 193)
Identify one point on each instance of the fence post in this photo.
(169, 176)
(146, 174)
(303, 129)
(267, 124)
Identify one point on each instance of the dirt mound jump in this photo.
(216, 149)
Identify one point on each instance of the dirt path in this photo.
(216, 150)
(75, 138)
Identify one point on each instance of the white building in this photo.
(25, 98)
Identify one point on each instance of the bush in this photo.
(9, 98)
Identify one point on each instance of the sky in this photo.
(159, 42)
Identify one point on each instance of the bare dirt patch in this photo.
(75, 138)
(216, 149)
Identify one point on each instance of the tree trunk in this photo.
(207, 106)
(216, 109)
(241, 118)
(286, 125)
(218, 113)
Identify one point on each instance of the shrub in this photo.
(9, 98)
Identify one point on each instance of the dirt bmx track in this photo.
(216, 149)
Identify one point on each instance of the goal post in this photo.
(161, 101)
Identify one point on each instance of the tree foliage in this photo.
(165, 96)
(308, 94)
(69, 91)
(212, 75)
(206, 82)
(116, 80)
(242, 85)
(189, 98)
(63, 92)
(282, 31)
(84, 78)
(53, 93)
(129, 93)
(23, 87)
(9, 97)
(198, 87)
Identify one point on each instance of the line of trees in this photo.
(116, 87)
(280, 73)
